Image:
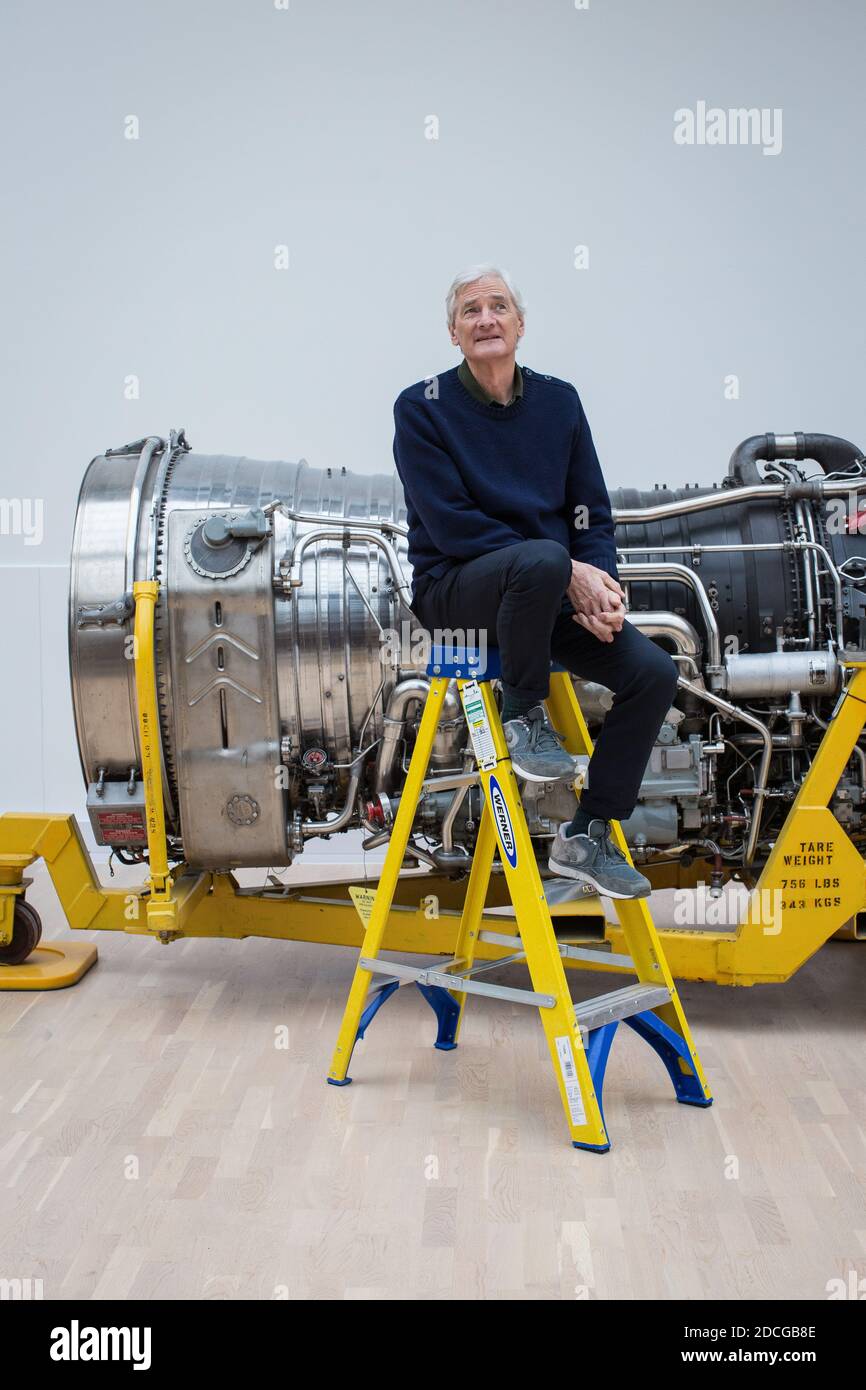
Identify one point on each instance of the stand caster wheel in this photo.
(26, 935)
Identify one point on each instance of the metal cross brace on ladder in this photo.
(579, 1036)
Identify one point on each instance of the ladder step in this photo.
(564, 898)
(567, 949)
(619, 1004)
(567, 892)
(429, 975)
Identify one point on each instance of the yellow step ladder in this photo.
(579, 1036)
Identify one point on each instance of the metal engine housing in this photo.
(291, 670)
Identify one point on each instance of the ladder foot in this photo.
(673, 1051)
(447, 1011)
(374, 1002)
(591, 1148)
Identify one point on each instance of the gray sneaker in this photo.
(536, 750)
(594, 858)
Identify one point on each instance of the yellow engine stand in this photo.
(578, 1036)
(813, 883)
(57, 965)
(809, 898)
(51, 965)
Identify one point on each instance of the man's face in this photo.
(486, 324)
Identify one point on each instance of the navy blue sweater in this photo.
(479, 477)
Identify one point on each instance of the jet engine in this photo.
(291, 669)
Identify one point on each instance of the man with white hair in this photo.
(510, 531)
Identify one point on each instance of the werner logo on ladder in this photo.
(579, 1036)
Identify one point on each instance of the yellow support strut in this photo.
(161, 906)
(812, 884)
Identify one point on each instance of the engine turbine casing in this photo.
(291, 677)
(263, 689)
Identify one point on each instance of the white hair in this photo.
(468, 277)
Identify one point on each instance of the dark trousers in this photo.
(517, 596)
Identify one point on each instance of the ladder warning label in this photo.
(572, 1085)
(480, 731)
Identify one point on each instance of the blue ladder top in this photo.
(466, 662)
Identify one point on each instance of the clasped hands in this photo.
(597, 600)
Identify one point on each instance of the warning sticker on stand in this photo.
(363, 898)
(572, 1085)
(480, 731)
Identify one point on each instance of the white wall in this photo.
(40, 768)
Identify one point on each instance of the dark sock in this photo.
(579, 823)
(514, 705)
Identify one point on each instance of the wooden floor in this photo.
(157, 1143)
